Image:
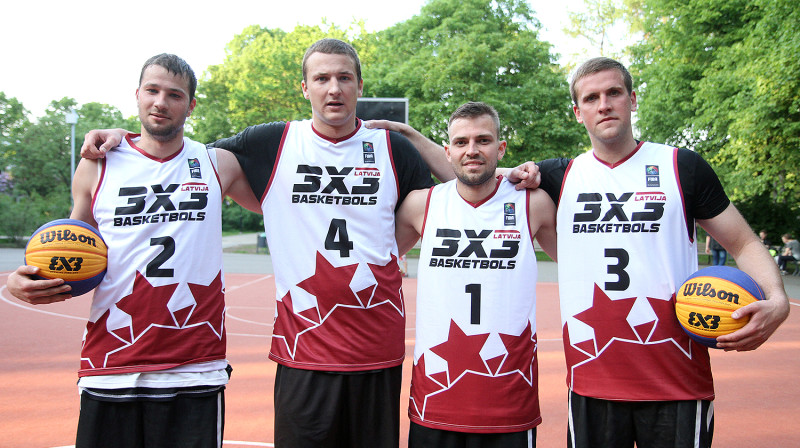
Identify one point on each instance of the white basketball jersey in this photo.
(329, 207)
(161, 303)
(624, 246)
(475, 366)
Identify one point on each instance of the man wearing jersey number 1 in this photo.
(475, 376)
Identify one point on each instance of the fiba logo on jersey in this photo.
(194, 169)
(509, 214)
(651, 175)
(369, 152)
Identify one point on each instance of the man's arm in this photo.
(234, 182)
(97, 142)
(730, 229)
(409, 219)
(542, 217)
(21, 283)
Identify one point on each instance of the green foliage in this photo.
(37, 160)
(478, 50)
(234, 217)
(721, 77)
(259, 81)
(20, 216)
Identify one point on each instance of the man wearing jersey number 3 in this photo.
(626, 239)
(475, 376)
(626, 214)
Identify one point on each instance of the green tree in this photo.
(37, 157)
(259, 81)
(478, 50)
(721, 77)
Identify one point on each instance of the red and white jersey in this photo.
(624, 246)
(475, 366)
(161, 304)
(329, 207)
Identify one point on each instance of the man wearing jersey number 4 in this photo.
(153, 365)
(475, 376)
(329, 188)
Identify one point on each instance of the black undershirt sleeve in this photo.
(412, 172)
(553, 171)
(256, 149)
(703, 194)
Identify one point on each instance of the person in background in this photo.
(718, 254)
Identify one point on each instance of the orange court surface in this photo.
(757, 405)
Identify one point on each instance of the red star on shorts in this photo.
(331, 286)
(608, 318)
(461, 352)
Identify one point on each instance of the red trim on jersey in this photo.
(130, 137)
(216, 173)
(563, 182)
(99, 183)
(624, 159)
(483, 201)
(338, 139)
(689, 225)
(275, 165)
(425, 217)
(391, 160)
(528, 216)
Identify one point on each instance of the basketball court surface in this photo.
(757, 405)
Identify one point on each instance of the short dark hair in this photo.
(474, 109)
(595, 65)
(173, 64)
(333, 46)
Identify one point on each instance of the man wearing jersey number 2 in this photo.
(475, 375)
(153, 366)
(626, 214)
(329, 189)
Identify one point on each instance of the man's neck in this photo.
(475, 194)
(334, 132)
(614, 151)
(160, 149)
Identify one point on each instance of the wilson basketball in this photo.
(69, 249)
(705, 301)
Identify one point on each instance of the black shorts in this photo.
(599, 423)
(423, 437)
(192, 419)
(337, 409)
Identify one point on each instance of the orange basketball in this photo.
(69, 249)
(705, 301)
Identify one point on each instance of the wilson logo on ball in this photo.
(71, 250)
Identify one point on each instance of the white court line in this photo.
(234, 288)
(30, 308)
